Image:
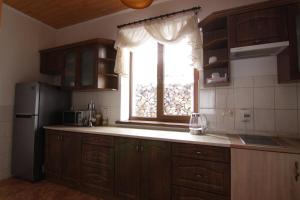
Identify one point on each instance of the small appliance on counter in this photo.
(73, 118)
(36, 105)
(198, 124)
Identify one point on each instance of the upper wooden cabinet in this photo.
(289, 59)
(87, 65)
(258, 27)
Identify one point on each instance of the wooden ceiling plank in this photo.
(61, 13)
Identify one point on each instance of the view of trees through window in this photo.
(162, 82)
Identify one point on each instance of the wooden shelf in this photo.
(106, 60)
(112, 75)
(218, 64)
(218, 43)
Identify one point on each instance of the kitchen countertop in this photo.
(221, 140)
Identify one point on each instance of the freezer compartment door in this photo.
(24, 140)
(27, 98)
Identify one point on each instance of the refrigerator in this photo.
(36, 105)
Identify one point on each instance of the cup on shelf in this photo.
(102, 52)
(212, 59)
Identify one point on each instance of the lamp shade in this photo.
(137, 4)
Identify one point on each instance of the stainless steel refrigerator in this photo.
(36, 105)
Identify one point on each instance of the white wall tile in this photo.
(207, 98)
(264, 97)
(264, 81)
(286, 98)
(286, 121)
(243, 97)
(224, 98)
(244, 127)
(264, 120)
(225, 119)
(211, 117)
(243, 82)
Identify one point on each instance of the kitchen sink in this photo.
(259, 140)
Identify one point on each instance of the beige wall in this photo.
(20, 39)
(107, 27)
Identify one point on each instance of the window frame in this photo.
(161, 117)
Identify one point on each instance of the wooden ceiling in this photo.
(62, 13)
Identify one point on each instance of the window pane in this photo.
(178, 80)
(144, 81)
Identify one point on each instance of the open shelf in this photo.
(216, 44)
(218, 64)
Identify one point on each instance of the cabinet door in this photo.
(289, 60)
(127, 168)
(259, 175)
(88, 64)
(70, 68)
(71, 158)
(258, 27)
(51, 62)
(53, 156)
(156, 170)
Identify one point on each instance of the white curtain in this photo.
(166, 31)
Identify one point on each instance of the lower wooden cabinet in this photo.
(200, 172)
(135, 169)
(262, 175)
(143, 169)
(61, 159)
(181, 193)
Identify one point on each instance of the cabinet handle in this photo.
(142, 148)
(137, 148)
(200, 153)
(200, 176)
(297, 173)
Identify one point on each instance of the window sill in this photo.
(154, 125)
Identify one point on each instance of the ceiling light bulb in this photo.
(137, 4)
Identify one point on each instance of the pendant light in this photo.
(137, 4)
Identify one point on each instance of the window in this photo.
(163, 87)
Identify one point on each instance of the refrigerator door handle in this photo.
(25, 115)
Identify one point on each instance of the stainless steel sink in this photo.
(259, 140)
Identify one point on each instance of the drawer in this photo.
(180, 193)
(98, 155)
(98, 140)
(221, 154)
(202, 175)
(97, 178)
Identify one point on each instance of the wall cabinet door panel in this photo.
(258, 27)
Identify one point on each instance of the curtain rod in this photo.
(196, 9)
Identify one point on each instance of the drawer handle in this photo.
(200, 176)
(200, 153)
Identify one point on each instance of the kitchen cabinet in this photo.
(143, 169)
(51, 62)
(289, 60)
(258, 27)
(261, 175)
(97, 164)
(61, 157)
(200, 172)
(87, 65)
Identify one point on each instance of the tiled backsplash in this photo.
(274, 108)
(6, 118)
